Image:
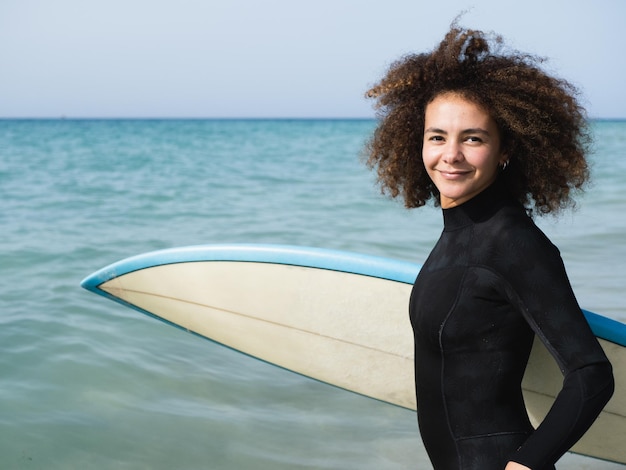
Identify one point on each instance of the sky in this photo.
(274, 58)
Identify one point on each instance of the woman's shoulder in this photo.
(514, 231)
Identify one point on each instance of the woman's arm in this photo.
(541, 292)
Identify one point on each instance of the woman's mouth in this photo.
(453, 174)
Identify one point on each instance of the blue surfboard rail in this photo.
(333, 260)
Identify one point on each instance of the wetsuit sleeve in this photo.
(540, 290)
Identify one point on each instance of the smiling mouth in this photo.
(453, 174)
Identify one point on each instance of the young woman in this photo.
(492, 139)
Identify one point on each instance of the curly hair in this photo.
(542, 126)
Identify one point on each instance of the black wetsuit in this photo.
(492, 281)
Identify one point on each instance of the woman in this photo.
(500, 140)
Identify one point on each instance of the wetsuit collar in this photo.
(481, 207)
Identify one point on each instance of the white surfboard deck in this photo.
(337, 317)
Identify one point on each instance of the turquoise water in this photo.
(87, 383)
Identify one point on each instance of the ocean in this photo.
(89, 384)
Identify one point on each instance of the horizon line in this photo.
(186, 118)
(214, 118)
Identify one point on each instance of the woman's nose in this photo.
(452, 153)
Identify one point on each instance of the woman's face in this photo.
(461, 149)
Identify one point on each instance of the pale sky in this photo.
(274, 58)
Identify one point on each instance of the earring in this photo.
(505, 163)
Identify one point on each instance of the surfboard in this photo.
(337, 317)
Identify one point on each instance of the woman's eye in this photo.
(436, 138)
(474, 138)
